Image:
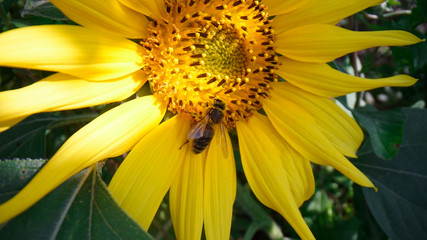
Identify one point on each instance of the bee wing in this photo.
(198, 128)
(223, 142)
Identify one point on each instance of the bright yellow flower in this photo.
(192, 52)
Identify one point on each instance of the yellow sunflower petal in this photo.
(262, 152)
(186, 196)
(303, 172)
(301, 131)
(320, 11)
(151, 8)
(220, 189)
(276, 7)
(339, 128)
(8, 124)
(109, 135)
(63, 92)
(298, 169)
(105, 15)
(74, 50)
(323, 80)
(324, 43)
(145, 176)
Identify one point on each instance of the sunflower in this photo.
(245, 55)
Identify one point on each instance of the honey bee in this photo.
(202, 132)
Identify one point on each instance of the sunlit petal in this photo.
(324, 43)
(220, 190)
(323, 80)
(186, 196)
(151, 8)
(338, 127)
(146, 174)
(321, 11)
(109, 135)
(63, 92)
(301, 131)
(276, 7)
(262, 151)
(299, 168)
(105, 15)
(74, 50)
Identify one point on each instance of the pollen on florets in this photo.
(201, 50)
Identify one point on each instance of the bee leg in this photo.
(184, 144)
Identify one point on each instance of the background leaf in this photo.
(385, 129)
(399, 206)
(81, 208)
(7, 3)
(260, 219)
(27, 139)
(42, 8)
(16, 174)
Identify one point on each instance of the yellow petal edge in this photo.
(324, 43)
(105, 15)
(144, 177)
(323, 80)
(300, 130)
(73, 50)
(262, 155)
(109, 135)
(186, 196)
(63, 92)
(220, 189)
(342, 130)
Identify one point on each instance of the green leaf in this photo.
(252, 229)
(325, 221)
(15, 174)
(419, 13)
(42, 8)
(81, 208)
(260, 219)
(369, 228)
(27, 139)
(385, 128)
(320, 203)
(418, 51)
(399, 206)
(7, 4)
(342, 229)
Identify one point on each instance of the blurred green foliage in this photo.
(338, 209)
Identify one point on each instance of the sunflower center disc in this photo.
(206, 50)
(225, 55)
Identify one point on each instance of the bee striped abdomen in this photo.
(200, 144)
